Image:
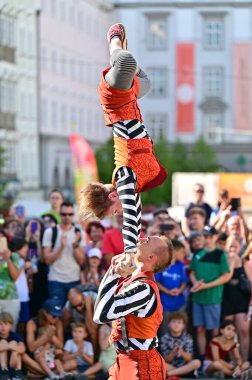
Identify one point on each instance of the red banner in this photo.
(185, 88)
(242, 85)
(84, 162)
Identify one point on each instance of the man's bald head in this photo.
(156, 250)
(164, 254)
(73, 293)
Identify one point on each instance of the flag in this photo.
(84, 163)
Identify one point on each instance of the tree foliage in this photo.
(178, 158)
(105, 161)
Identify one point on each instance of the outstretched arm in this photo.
(131, 204)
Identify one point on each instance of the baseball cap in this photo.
(94, 252)
(194, 234)
(53, 307)
(209, 230)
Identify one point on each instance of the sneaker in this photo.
(67, 376)
(52, 377)
(18, 375)
(117, 30)
(4, 375)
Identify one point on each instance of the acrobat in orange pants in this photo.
(138, 365)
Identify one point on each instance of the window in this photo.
(63, 117)
(159, 85)
(71, 16)
(81, 72)
(213, 126)
(213, 81)
(88, 24)
(73, 118)
(73, 70)
(31, 45)
(53, 8)
(31, 106)
(54, 61)
(56, 176)
(43, 5)
(9, 158)
(63, 65)
(80, 20)
(7, 31)
(62, 11)
(22, 40)
(156, 33)
(44, 113)
(213, 33)
(157, 125)
(44, 58)
(54, 116)
(7, 97)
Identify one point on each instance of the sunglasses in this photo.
(67, 214)
(199, 191)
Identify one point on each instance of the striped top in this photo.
(126, 184)
(137, 298)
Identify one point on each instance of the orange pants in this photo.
(138, 365)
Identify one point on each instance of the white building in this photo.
(199, 57)
(73, 53)
(18, 95)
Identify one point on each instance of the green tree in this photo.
(162, 194)
(105, 161)
(203, 157)
(181, 157)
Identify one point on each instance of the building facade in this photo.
(198, 55)
(73, 53)
(18, 97)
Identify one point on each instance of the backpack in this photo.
(55, 234)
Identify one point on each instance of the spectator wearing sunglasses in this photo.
(198, 201)
(64, 253)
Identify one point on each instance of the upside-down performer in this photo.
(136, 166)
(133, 304)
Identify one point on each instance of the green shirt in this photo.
(208, 266)
(8, 290)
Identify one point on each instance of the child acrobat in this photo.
(136, 166)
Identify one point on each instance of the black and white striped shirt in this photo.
(126, 184)
(138, 298)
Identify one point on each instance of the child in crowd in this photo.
(107, 355)
(172, 283)
(78, 353)
(93, 272)
(20, 246)
(45, 338)
(221, 350)
(177, 348)
(11, 350)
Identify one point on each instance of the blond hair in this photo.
(6, 318)
(94, 200)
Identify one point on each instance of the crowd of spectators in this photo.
(51, 268)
